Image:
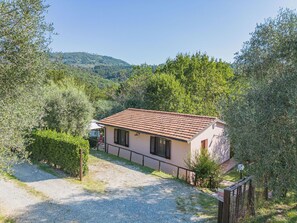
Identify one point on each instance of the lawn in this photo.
(110, 157)
(203, 206)
(269, 211)
(275, 211)
(4, 219)
(89, 183)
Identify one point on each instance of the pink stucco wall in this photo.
(218, 147)
(218, 144)
(141, 144)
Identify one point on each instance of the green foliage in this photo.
(103, 66)
(67, 110)
(165, 93)
(207, 81)
(271, 50)
(115, 73)
(204, 167)
(93, 86)
(262, 128)
(60, 149)
(24, 37)
(262, 121)
(130, 94)
(86, 59)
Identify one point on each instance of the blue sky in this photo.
(150, 31)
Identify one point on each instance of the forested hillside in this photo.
(83, 59)
(104, 66)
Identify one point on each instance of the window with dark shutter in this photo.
(116, 137)
(127, 138)
(121, 137)
(160, 147)
(153, 145)
(168, 149)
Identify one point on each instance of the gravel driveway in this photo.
(131, 196)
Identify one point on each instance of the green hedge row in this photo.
(60, 149)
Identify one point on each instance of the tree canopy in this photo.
(271, 50)
(24, 36)
(262, 121)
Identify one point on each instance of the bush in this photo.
(206, 169)
(67, 110)
(60, 149)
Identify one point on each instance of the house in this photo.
(165, 138)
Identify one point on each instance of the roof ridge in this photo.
(172, 113)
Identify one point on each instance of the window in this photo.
(121, 137)
(204, 144)
(160, 147)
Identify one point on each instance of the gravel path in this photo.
(131, 196)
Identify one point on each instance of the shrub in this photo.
(206, 169)
(60, 149)
(67, 110)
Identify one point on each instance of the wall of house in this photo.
(140, 143)
(218, 144)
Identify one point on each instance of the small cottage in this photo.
(164, 138)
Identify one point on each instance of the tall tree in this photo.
(271, 50)
(24, 37)
(262, 121)
(207, 81)
(165, 93)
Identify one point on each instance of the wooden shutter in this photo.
(127, 138)
(168, 149)
(115, 135)
(153, 145)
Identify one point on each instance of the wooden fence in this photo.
(238, 201)
(188, 176)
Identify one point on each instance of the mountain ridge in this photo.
(85, 59)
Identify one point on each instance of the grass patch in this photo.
(21, 184)
(232, 176)
(110, 157)
(275, 211)
(203, 206)
(89, 183)
(4, 219)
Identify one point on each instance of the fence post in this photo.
(177, 175)
(130, 155)
(80, 165)
(119, 151)
(142, 160)
(220, 211)
(251, 199)
(226, 206)
(159, 166)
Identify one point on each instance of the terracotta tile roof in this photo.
(167, 124)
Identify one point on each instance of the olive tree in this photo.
(67, 110)
(24, 37)
(271, 50)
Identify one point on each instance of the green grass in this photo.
(23, 185)
(275, 211)
(232, 176)
(5, 219)
(89, 183)
(203, 206)
(110, 157)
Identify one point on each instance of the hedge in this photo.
(60, 149)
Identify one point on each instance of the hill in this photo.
(83, 59)
(104, 66)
